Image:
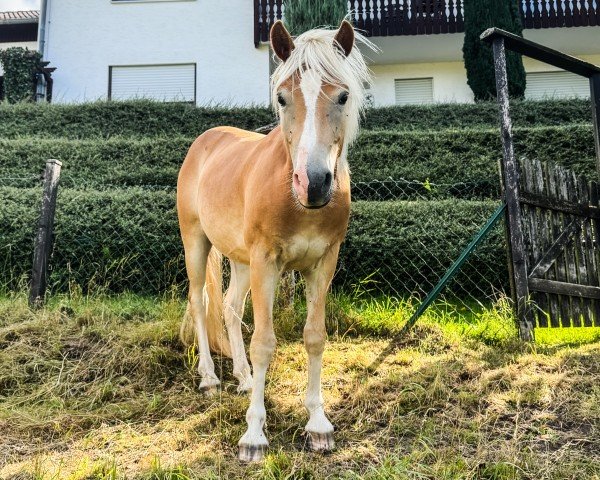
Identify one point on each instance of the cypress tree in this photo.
(303, 15)
(479, 61)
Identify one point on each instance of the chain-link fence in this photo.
(402, 238)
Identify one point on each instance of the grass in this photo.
(99, 388)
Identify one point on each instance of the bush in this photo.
(385, 164)
(146, 118)
(21, 67)
(135, 118)
(479, 60)
(303, 15)
(129, 240)
(482, 115)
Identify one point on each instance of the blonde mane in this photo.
(316, 50)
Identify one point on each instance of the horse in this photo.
(272, 203)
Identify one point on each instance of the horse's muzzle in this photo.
(314, 188)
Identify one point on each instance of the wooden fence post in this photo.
(510, 174)
(43, 239)
(595, 96)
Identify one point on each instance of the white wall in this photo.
(84, 37)
(449, 78)
(449, 81)
(29, 45)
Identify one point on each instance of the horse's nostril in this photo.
(327, 182)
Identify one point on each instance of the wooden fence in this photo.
(560, 222)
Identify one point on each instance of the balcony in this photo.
(382, 18)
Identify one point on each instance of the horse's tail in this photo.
(213, 298)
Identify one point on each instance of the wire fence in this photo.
(403, 236)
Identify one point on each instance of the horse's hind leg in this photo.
(235, 300)
(319, 428)
(197, 247)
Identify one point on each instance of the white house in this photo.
(216, 51)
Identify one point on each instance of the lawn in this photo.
(99, 387)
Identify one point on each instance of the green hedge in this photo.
(146, 118)
(465, 160)
(129, 240)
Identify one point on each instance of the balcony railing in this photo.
(382, 18)
(560, 13)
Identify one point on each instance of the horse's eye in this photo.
(343, 98)
(281, 100)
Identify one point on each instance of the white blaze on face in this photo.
(310, 85)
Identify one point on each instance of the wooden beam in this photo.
(559, 205)
(564, 288)
(595, 97)
(540, 52)
(559, 244)
(510, 175)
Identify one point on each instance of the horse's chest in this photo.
(303, 251)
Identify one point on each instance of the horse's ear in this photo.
(344, 38)
(281, 41)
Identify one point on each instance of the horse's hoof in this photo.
(245, 385)
(251, 453)
(321, 442)
(209, 386)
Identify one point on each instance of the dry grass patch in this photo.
(100, 388)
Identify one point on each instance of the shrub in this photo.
(145, 118)
(303, 15)
(385, 164)
(479, 62)
(21, 67)
(129, 240)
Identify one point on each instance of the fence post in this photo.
(595, 97)
(43, 239)
(510, 174)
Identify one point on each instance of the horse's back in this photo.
(218, 145)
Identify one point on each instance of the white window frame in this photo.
(415, 78)
(193, 102)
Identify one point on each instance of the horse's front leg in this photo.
(263, 280)
(319, 428)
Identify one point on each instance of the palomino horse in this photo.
(273, 203)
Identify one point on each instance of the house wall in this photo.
(449, 81)
(85, 37)
(449, 78)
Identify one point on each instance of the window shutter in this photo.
(413, 91)
(556, 85)
(166, 83)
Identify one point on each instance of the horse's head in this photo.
(318, 92)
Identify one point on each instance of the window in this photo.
(167, 83)
(558, 84)
(412, 91)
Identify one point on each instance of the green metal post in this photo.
(454, 268)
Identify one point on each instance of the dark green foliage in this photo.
(146, 118)
(465, 161)
(129, 240)
(135, 118)
(21, 67)
(408, 246)
(481, 115)
(479, 63)
(303, 15)
(117, 239)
